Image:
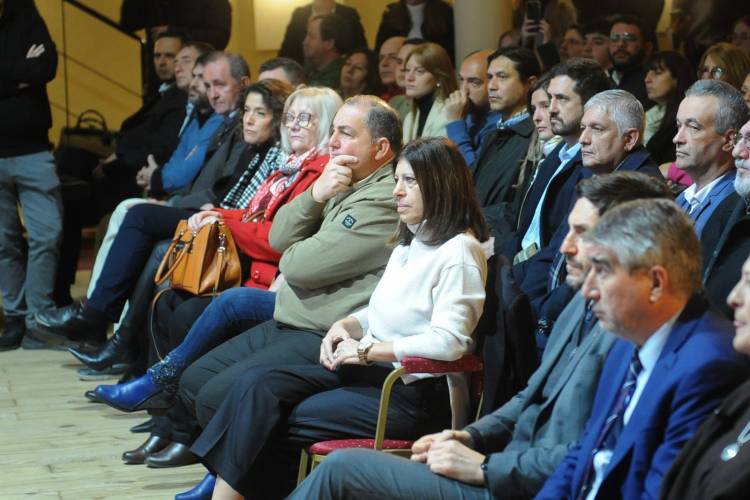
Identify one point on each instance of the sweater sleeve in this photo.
(459, 134)
(459, 300)
(36, 70)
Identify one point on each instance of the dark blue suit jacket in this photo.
(532, 275)
(695, 371)
(723, 189)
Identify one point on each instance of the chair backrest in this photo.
(508, 349)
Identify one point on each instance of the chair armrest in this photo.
(468, 363)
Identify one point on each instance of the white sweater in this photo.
(429, 300)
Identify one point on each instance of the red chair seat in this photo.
(326, 447)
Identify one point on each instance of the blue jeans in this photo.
(229, 313)
(28, 268)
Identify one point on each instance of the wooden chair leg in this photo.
(303, 462)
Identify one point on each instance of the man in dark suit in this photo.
(707, 120)
(671, 366)
(296, 30)
(522, 442)
(727, 237)
(611, 141)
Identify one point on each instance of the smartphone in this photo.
(534, 10)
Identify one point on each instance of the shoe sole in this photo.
(88, 374)
(57, 339)
(158, 403)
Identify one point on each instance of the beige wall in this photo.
(100, 47)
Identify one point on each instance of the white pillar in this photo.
(479, 23)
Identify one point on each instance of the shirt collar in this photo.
(695, 197)
(516, 118)
(650, 351)
(567, 153)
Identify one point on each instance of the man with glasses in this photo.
(629, 47)
(731, 223)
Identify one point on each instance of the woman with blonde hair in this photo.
(724, 61)
(429, 79)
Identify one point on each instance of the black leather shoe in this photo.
(114, 352)
(146, 426)
(12, 335)
(70, 326)
(152, 445)
(174, 455)
(59, 315)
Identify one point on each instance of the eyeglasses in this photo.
(741, 139)
(302, 119)
(625, 37)
(713, 73)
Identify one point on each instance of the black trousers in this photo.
(206, 383)
(253, 441)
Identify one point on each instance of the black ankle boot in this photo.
(113, 352)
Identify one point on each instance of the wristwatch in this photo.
(362, 350)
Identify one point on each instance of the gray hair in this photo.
(731, 112)
(323, 103)
(238, 67)
(381, 120)
(653, 232)
(622, 106)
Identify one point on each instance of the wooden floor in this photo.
(56, 444)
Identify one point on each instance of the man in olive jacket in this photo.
(334, 242)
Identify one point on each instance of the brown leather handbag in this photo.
(205, 262)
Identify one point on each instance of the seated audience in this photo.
(327, 39)
(429, 20)
(307, 149)
(324, 280)
(630, 44)
(468, 108)
(258, 157)
(388, 67)
(745, 89)
(725, 62)
(548, 199)
(296, 30)
(151, 134)
(400, 102)
(671, 366)
(669, 76)
(359, 74)
(284, 70)
(500, 162)
(429, 81)
(225, 76)
(522, 442)
(427, 303)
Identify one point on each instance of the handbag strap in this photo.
(222, 251)
(160, 276)
(151, 321)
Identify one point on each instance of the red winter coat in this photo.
(252, 237)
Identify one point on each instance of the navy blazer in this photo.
(723, 188)
(532, 274)
(694, 373)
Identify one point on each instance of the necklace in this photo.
(731, 450)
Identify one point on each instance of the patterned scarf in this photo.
(276, 185)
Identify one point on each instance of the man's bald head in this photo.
(472, 78)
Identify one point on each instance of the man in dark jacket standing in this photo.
(28, 60)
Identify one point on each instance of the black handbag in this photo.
(90, 133)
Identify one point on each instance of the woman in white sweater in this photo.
(427, 303)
